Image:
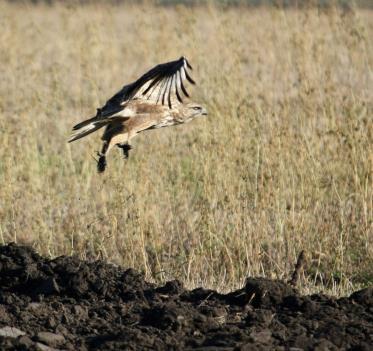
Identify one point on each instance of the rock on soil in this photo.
(68, 304)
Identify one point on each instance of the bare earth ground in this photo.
(71, 304)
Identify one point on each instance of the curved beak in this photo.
(204, 112)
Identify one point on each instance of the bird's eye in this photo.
(196, 108)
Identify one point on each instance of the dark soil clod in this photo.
(69, 304)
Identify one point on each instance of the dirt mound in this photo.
(71, 304)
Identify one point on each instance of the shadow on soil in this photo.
(71, 304)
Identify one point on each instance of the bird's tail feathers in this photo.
(87, 127)
(85, 123)
(91, 125)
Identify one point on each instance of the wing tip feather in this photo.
(161, 80)
(186, 62)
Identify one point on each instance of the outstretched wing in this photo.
(163, 84)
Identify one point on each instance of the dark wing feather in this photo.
(162, 84)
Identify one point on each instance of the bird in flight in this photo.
(155, 100)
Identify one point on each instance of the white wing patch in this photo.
(166, 83)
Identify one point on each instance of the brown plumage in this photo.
(153, 101)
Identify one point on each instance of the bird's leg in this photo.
(125, 148)
(101, 164)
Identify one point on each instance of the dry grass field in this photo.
(283, 162)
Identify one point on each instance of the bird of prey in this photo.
(155, 100)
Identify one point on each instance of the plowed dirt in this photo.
(69, 304)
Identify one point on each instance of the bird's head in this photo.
(193, 110)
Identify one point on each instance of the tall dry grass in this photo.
(282, 163)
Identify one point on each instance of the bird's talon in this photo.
(101, 164)
(126, 148)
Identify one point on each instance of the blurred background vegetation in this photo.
(279, 3)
